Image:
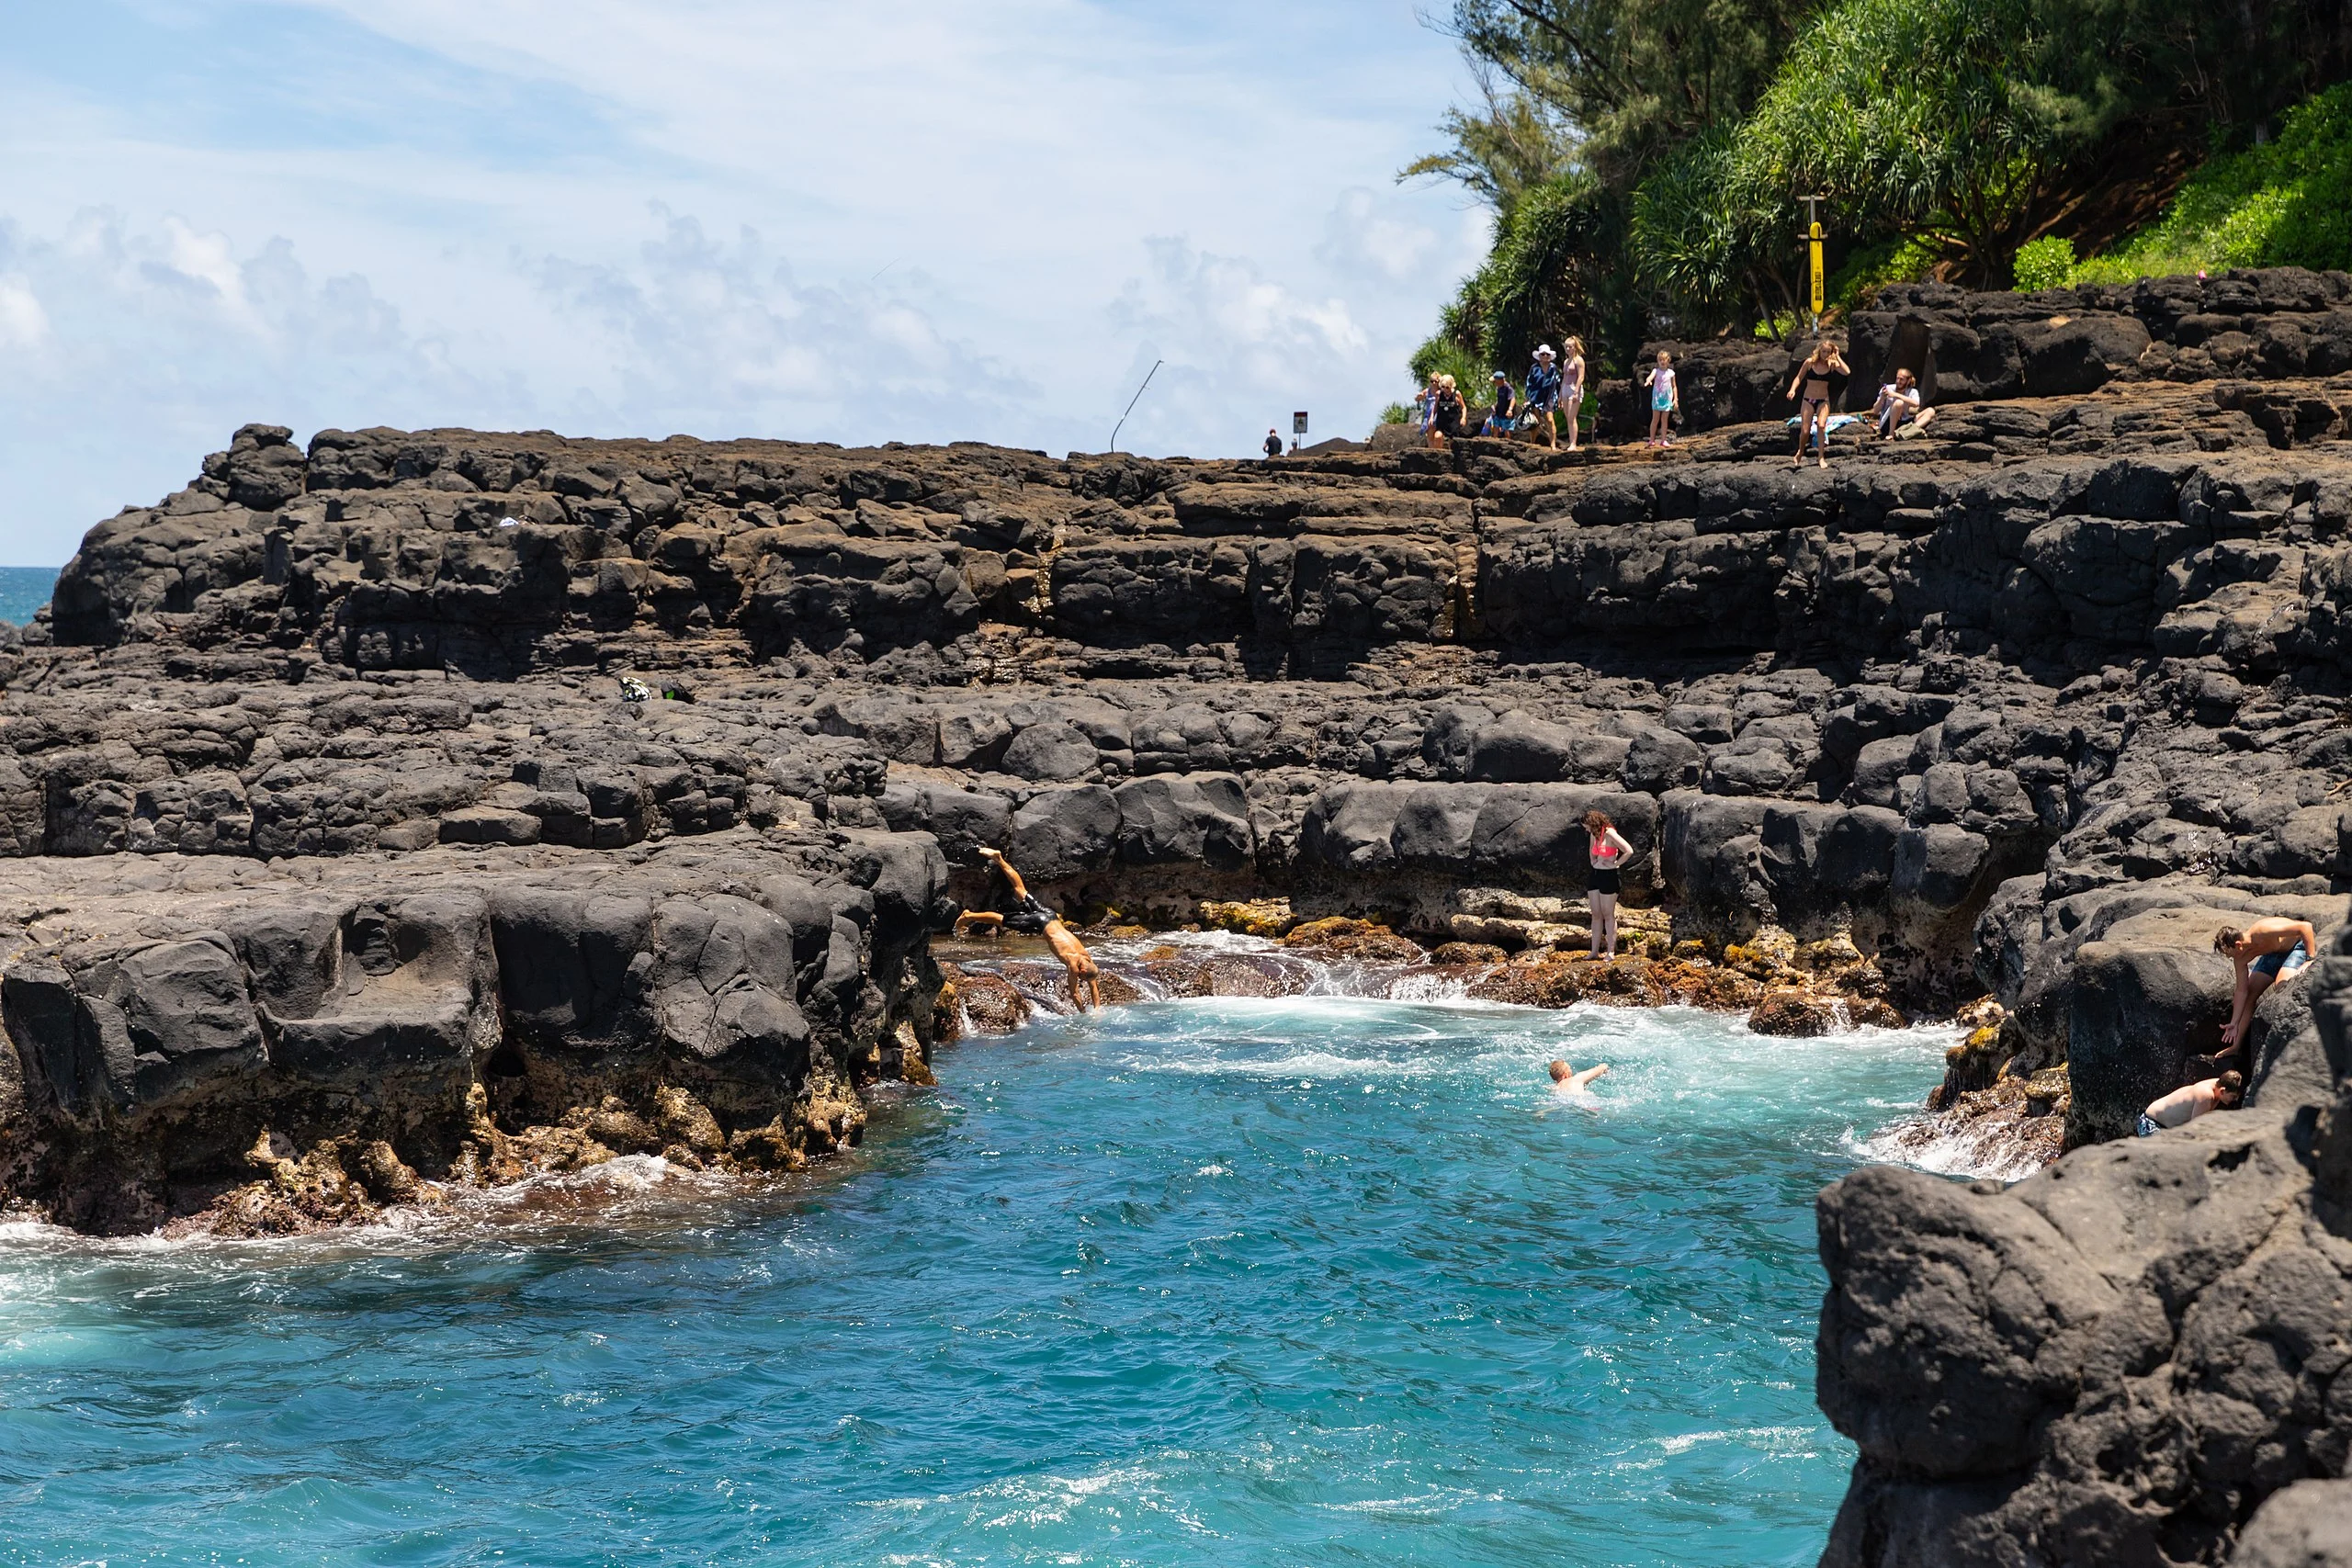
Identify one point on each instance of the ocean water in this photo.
(23, 590)
(1319, 1280)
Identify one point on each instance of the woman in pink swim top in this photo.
(1606, 849)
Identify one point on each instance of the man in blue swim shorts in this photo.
(2266, 951)
(2186, 1104)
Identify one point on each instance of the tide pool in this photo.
(1309, 1282)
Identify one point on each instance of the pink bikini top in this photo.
(1604, 852)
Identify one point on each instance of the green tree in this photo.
(1511, 144)
(1705, 244)
(1921, 115)
(1633, 77)
(1555, 270)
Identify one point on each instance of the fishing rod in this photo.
(1134, 400)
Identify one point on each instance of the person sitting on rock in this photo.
(2186, 1104)
(2265, 952)
(1031, 918)
(1899, 405)
(1566, 1081)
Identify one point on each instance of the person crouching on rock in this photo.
(1606, 849)
(2264, 953)
(1031, 918)
(2185, 1105)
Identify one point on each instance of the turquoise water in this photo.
(1312, 1281)
(23, 590)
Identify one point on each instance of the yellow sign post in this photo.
(1813, 237)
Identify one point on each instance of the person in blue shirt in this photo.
(1506, 413)
(1544, 392)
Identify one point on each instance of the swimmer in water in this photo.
(1565, 1081)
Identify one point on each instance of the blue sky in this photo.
(924, 221)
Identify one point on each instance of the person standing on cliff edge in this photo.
(1606, 849)
(1543, 395)
(1030, 918)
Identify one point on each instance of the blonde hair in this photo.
(1446, 382)
(1663, 357)
(1575, 346)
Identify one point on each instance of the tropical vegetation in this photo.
(1643, 158)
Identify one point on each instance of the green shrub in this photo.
(2046, 263)
(2287, 203)
(1399, 414)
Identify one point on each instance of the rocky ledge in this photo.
(264, 1047)
(2135, 1355)
(409, 808)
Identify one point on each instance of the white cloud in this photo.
(23, 324)
(718, 217)
(705, 335)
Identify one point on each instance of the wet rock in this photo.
(1794, 1014)
(988, 1004)
(1269, 918)
(1361, 941)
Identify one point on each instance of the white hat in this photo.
(1544, 351)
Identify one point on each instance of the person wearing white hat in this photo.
(1544, 392)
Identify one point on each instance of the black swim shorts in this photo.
(1029, 917)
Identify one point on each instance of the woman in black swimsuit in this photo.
(1446, 421)
(1814, 376)
(1606, 850)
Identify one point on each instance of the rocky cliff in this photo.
(2136, 1356)
(342, 861)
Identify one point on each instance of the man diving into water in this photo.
(1026, 915)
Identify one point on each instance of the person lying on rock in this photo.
(1566, 1081)
(2186, 1104)
(2265, 952)
(1031, 918)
